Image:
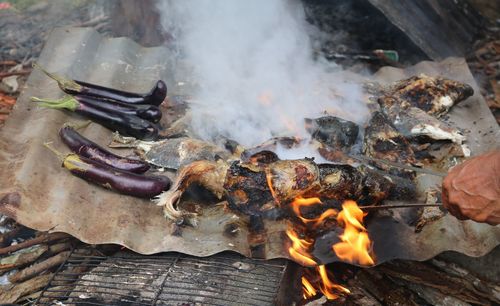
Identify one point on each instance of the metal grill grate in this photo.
(169, 279)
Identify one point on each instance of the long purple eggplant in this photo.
(154, 97)
(125, 124)
(89, 149)
(149, 112)
(124, 182)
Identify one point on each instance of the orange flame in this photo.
(328, 288)
(300, 249)
(356, 245)
(299, 202)
(269, 180)
(265, 98)
(308, 289)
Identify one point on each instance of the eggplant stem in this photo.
(77, 126)
(60, 155)
(62, 82)
(67, 102)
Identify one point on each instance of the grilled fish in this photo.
(414, 122)
(173, 153)
(334, 132)
(255, 188)
(383, 141)
(433, 95)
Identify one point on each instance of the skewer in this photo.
(367, 159)
(377, 207)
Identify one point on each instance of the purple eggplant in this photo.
(125, 124)
(89, 149)
(149, 112)
(124, 182)
(73, 87)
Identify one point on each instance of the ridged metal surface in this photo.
(169, 279)
(38, 193)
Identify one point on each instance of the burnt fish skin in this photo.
(434, 95)
(173, 153)
(383, 141)
(332, 131)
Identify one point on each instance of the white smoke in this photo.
(253, 62)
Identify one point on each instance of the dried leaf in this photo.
(7, 100)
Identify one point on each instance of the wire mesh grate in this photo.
(127, 278)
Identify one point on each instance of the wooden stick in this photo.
(37, 240)
(378, 207)
(7, 100)
(367, 159)
(14, 292)
(59, 247)
(22, 72)
(55, 292)
(8, 63)
(22, 258)
(39, 267)
(384, 289)
(424, 274)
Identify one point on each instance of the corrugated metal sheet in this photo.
(38, 193)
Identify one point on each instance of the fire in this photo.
(308, 288)
(300, 202)
(328, 288)
(356, 245)
(300, 249)
(269, 180)
(265, 98)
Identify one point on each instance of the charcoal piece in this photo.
(261, 158)
(333, 131)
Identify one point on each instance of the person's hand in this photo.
(471, 190)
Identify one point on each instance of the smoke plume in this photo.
(254, 65)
